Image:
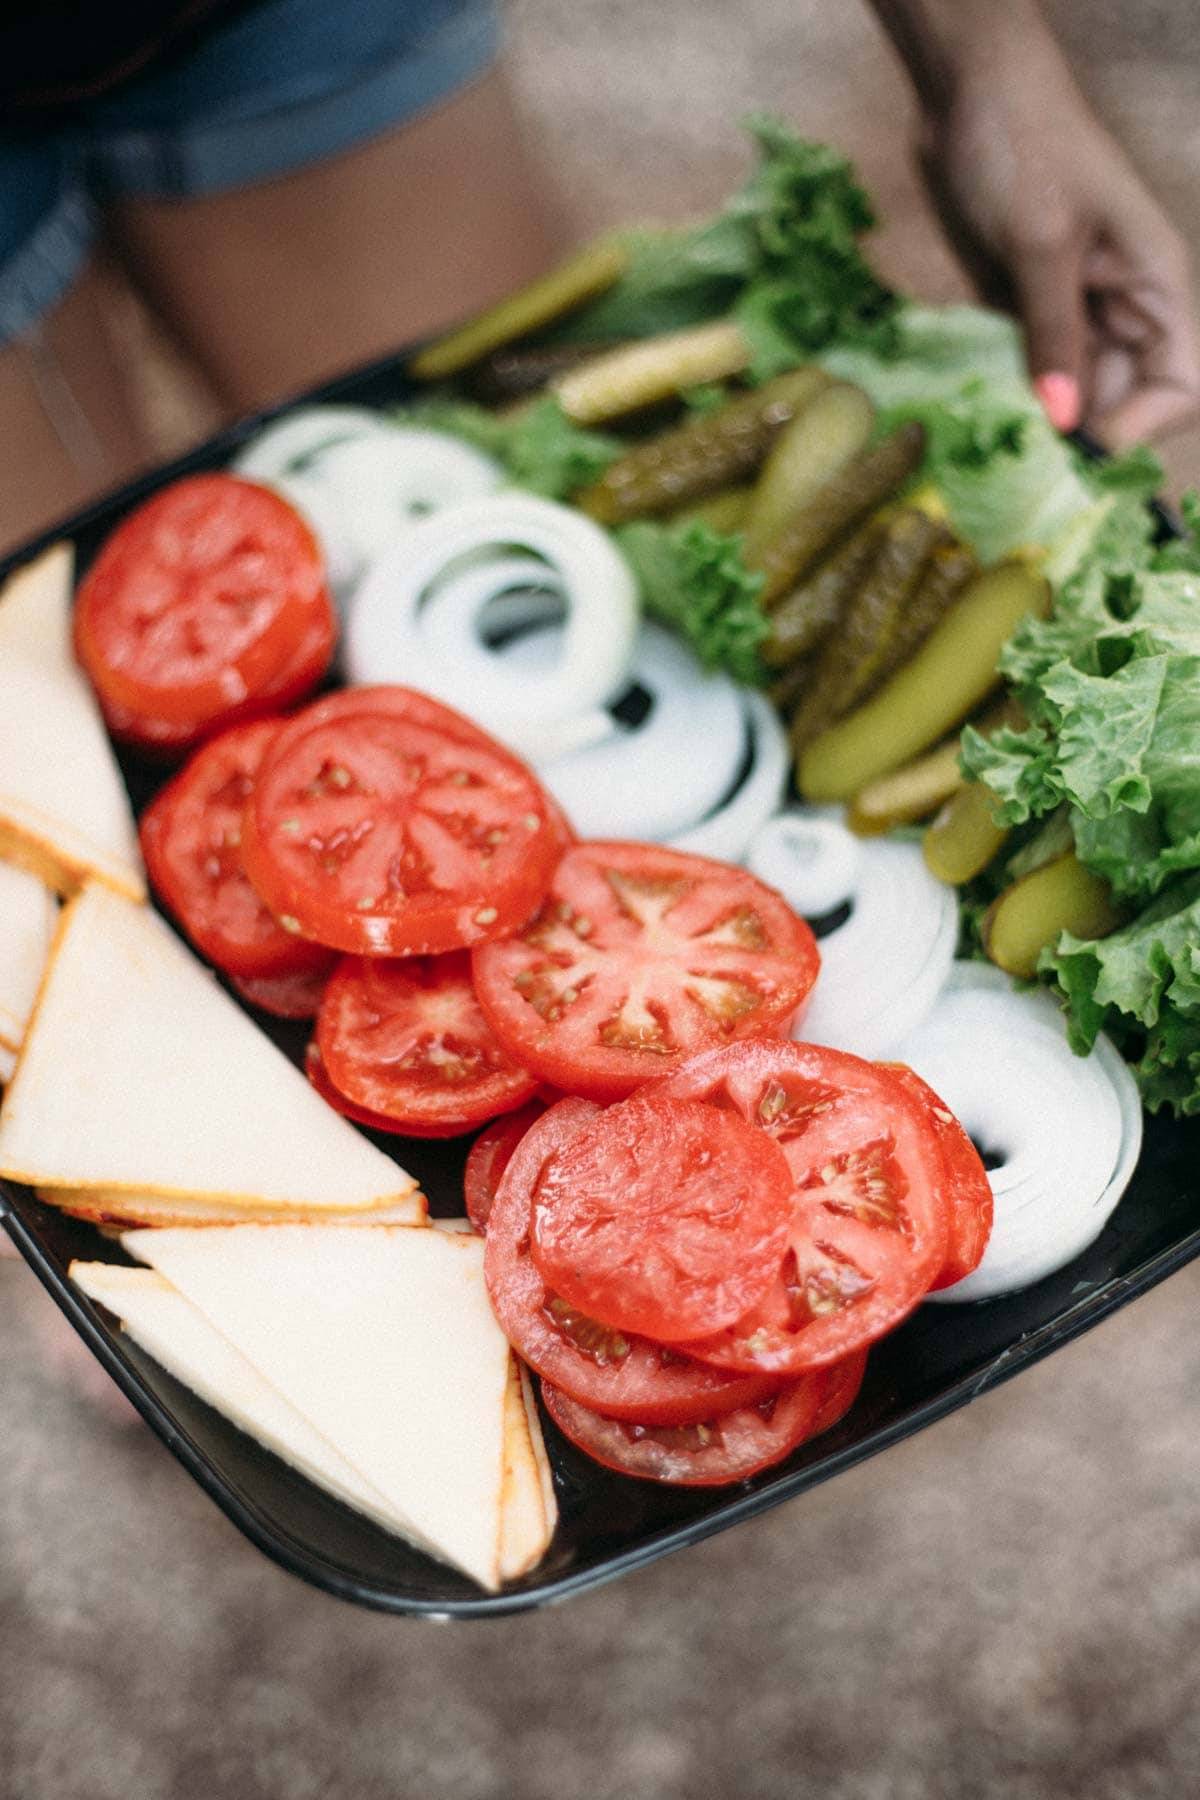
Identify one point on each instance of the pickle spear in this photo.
(864, 483)
(1028, 916)
(639, 374)
(849, 660)
(943, 579)
(724, 511)
(964, 837)
(800, 622)
(951, 673)
(907, 794)
(833, 427)
(701, 456)
(515, 374)
(580, 278)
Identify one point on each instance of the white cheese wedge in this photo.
(528, 1512)
(127, 1208)
(139, 1074)
(28, 916)
(172, 1331)
(385, 1342)
(64, 811)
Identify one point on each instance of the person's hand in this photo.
(1047, 211)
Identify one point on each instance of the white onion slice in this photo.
(650, 779)
(809, 857)
(403, 627)
(293, 444)
(359, 479)
(1069, 1128)
(390, 479)
(883, 967)
(726, 831)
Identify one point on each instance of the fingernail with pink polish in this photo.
(1059, 395)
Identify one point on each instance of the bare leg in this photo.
(68, 430)
(276, 286)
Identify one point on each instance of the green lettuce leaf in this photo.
(783, 254)
(693, 579)
(541, 448)
(1142, 983)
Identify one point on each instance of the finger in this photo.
(1048, 284)
(1149, 413)
(1112, 380)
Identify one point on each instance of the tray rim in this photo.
(272, 1539)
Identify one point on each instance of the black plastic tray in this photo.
(943, 1357)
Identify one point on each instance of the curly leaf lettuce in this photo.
(783, 255)
(542, 450)
(1142, 984)
(693, 579)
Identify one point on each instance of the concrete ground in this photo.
(1004, 1608)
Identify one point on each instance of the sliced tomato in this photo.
(842, 1383)
(488, 1158)
(640, 957)
(618, 1373)
(868, 1230)
(197, 600)
(317, 1074)
(709, 1453)
(968, 1190)
(294, 996)
(306, 664)
(191, 836)
(407, 1040)
(664, 1217)
(380, 829)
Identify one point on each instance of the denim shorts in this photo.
(284, 85)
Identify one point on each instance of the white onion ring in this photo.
(808, 855)
(391, 479)
(394, 633)
(883, 968)
(1071, 1127)
(301, 437)
(657, 777)
(359, 479)
(726, 831)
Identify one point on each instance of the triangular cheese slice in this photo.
(527, 1515)
(64, 811)
(138, 1073)
(385, 1342)
(28, 916)
(128, 1208)
(177, 1335)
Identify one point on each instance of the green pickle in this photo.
(834, 426)
(858, 487)
(801, 621)
(907, 794)
(954, 670)
(964, 837)
(580, 278)
(723, 511)
(850, 659)
(639, 374)
(943, 579)
(516, 374)
(702, 456)
(1028, 916)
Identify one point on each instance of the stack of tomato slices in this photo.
(696, 1272)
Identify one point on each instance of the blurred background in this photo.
(1008, 1605)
